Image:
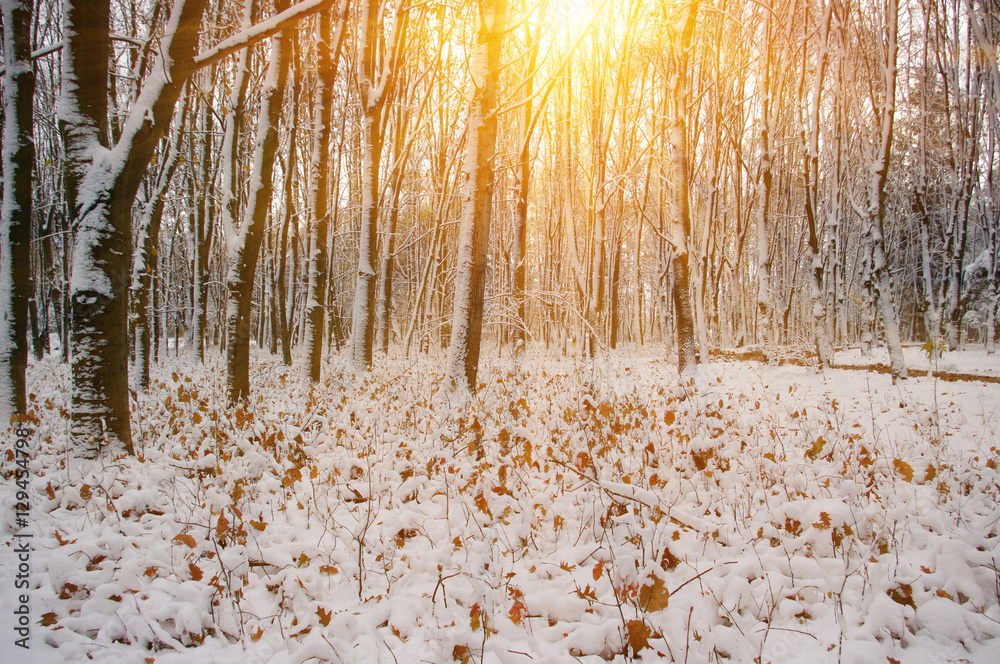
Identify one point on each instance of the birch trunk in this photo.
(678, 201)
(477, 198)
(880, 278)
(376, 82)
(824, 348)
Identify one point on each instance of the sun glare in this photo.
(570, 14)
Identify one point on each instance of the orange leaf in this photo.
(196, 572)
(256, 635)
(903, 469)
(598, 570)
(654, 597)
(48, 619)
(461, 654)
(222, 528)
(292, 475)
(482, 505)
(638, 635)
(824, 521)
(324, 616)
(259, 525)
(329, 570)
(150, 571)
(85, 492)
(474, 614)
(517, 612)
(184, 538)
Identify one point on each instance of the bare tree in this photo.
(16, 213)
(477, 196)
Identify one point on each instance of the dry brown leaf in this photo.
(184, 538)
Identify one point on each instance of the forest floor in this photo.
(570, 511)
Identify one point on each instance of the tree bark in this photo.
(477, 198)
(15, 216)
(328, 54)
(144, 263)
(376, 82)
(245, 251)
(101, 187)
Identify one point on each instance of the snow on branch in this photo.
(261, 31)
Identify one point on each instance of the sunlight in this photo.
(570, 14)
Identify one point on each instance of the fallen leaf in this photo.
(638, 635)
(184, 538)
(654, 597)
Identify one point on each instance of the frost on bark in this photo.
(244, 250)
(144, 262)
(101, 185)
(319, 195)
(15, 223)
(477, 197)
(766, 304)
(376, 82)
(824, 347)
(878, 275)
(678, 201)
(202, 234)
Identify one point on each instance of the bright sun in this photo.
(570, 13)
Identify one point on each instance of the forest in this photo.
(487, 330)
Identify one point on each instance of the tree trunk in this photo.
(281, 285)
(477, 198)
(202, 230)
(101, 187)
(879, 274)
(15, 223)
(679, 206)
(522, 185)
(144, 263)
(377, 83)
(319, 196)
(824, 348)
(245, 251)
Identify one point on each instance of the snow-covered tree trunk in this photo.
(101, 184)
(244, 251)
(229, 166)
(824, 347)
(476, 197)
(144, 261)
(522, 186)
(678, 202)
(328, 54)
(766, 300)
(383, 304)
(376, 81)
(202, 233)
(284, 328)
(15, 210)
(875, 223)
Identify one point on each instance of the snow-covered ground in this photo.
(572, 510)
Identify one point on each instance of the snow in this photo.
(570, 508)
